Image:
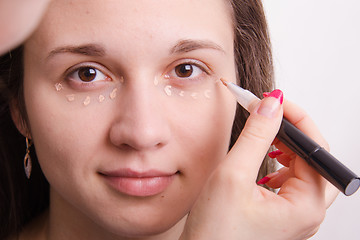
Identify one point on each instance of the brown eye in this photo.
(184, 70)
(87, 74)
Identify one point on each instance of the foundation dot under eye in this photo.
(58, 86)
(194, 95)
(101, 98)
(70, 97)
(167, 90)
(207, 93)
(156, 82)
(87, 101)
(113, 93)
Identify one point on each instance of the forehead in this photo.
(126, 21)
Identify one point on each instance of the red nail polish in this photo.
(275, 153)
(277, 94)
(264, 180)
(266, 94)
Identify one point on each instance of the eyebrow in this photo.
(95, 50)
(189, 45)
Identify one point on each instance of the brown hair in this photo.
(253, 57)
(22, 199)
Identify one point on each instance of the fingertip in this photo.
(264, 180)
(275, 153)
(269, 107)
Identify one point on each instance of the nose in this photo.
(141, 120)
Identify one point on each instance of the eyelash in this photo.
(72, 75)
(188, 80)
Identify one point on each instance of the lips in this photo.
(139, 184)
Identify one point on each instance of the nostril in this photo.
(135, 146)
(125, 147)
(159, 145)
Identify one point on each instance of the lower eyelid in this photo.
(87, 86)
(196, 66)
(187, 82)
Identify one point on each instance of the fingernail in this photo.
(275, 153)
(278, 94)
(263, 180)
(269, 108)
(267, 178)
(266, 94)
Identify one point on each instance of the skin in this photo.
(144, 129)
(24, 15)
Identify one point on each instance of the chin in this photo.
(146, 227)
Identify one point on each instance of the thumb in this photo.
(255, 139)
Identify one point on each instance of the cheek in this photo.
(204, 134)
(64, 138)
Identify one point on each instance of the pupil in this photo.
(87, 74)
(184, 70)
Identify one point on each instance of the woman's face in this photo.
(125, 112)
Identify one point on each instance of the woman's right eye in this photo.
(87, 75)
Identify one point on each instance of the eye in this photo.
(87, 74)
(187, 70)
(184, 70)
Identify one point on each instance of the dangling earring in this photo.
(27, 159)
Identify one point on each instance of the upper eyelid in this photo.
(205, 67)
(71, 70)
(202, 65)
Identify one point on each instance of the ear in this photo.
(18, 119)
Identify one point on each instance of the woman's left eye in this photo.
(87, 74)
(186, 70)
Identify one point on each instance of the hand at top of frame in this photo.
(18, 19)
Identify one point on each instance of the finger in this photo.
(304, 123)
(283, 148)
(331, 192)
(278, 178)
(282, 157)
(256, 137)
(311, 180)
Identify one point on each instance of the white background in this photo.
(316, 45)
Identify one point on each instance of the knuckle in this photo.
(229, 178)
(313, 218)
(255, 132)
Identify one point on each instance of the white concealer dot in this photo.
(194, 95)
(156, 82)
(167, 90)
(101, 98)
(122, 79)
(86, 101)
(167, 76)
(182, 93)
(207, 93)
(113, 93)
(70, 97)
(58, 86)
